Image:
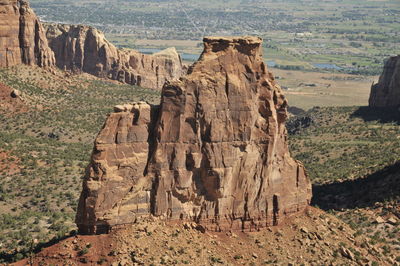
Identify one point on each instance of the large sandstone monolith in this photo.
(386, 93)
(22, 38)
(214, 152)
(85, 49)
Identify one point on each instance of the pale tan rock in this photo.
(386, 93)
(392, 220)
(85, 49)
(304, 230)
(215, 152)
(22, 38)
(346, 253)
(379, 220)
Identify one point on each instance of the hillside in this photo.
(44, 151)
(316, 238)
(10, 101)
(352, 155)
(342, 143)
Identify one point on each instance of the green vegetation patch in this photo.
(345, 143)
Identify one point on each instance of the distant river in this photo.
(326, 66)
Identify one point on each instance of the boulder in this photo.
(15, 94)
(214, 152)
(392, 220)
(347, 253)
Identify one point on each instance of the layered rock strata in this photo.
(386, 93)
(22, 37)
(85, 49)
(214, 152)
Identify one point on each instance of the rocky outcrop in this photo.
(22, 38)
(85, 49)
(386, 93)
(215, 151)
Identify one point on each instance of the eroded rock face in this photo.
(386, 93)
(83, 48)
(215, 150)
(22, 38)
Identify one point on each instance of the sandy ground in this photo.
(309, 89)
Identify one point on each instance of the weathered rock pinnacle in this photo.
(386, 93)
(215, 151)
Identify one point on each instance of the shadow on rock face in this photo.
(363, 192)
(382, 115)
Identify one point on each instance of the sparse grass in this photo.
(345, 147)
(342, 146)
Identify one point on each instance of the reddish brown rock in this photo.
(22, 38)
(83, 48)
(114, 180)
(386, 93)
(214, 152)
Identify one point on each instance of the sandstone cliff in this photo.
(215, 150)
(83, 48)
(386, 93)
(22, 38)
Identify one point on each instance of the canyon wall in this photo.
(23, 40)
(22, 37)
(214, 152)
(85, 49)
